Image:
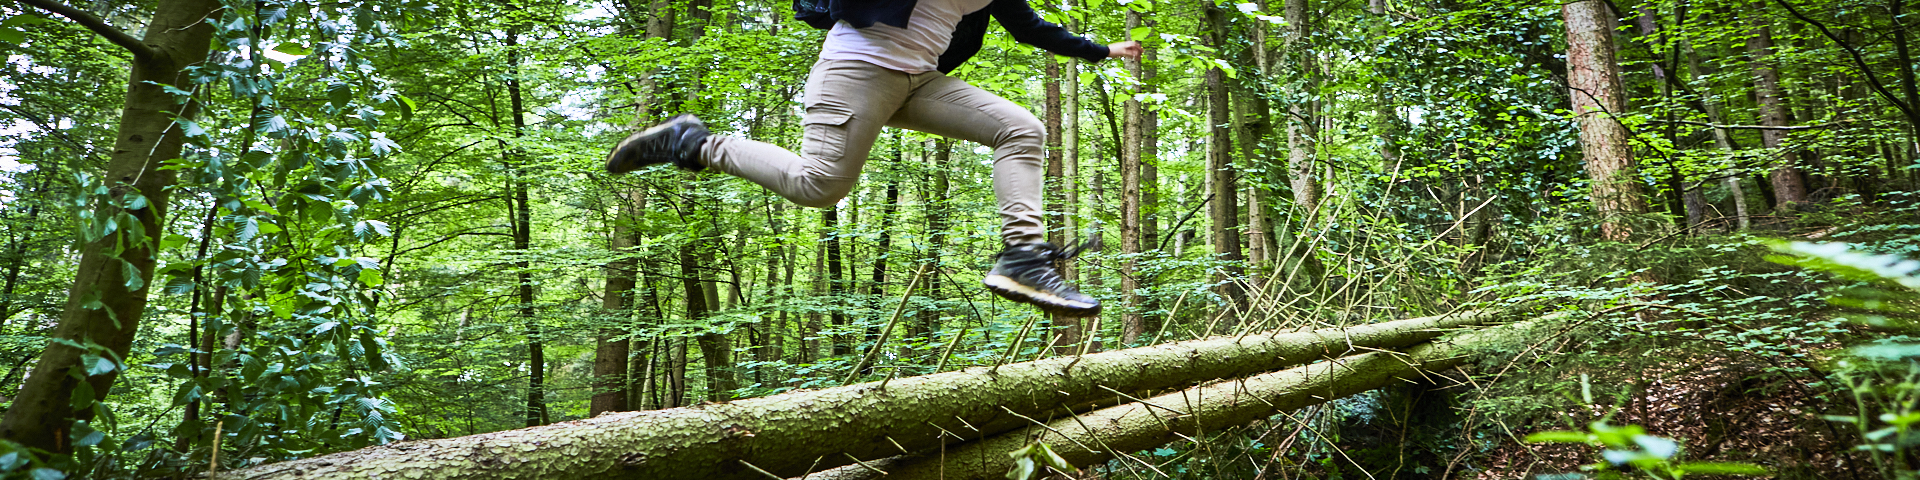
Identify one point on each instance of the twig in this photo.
(140, 50)
(881, 342)
(1751, 127)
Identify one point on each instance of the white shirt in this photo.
(915, 49)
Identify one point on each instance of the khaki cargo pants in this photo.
(847, 101)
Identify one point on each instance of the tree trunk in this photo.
(1151, 422)
(521, 222)
(1224, 209)
(1301, 116)
(836, 288)
(938, 193)
(1721, 138)
(1594, 78)
(796, 433)
(1788, 188)
(1132, 149)
(611, 350)
(40, 417)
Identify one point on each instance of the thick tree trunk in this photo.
(1788, 187)
(1301, 116)
(41, 415)
(1224, 209)
(1594, 77)
(797, 433)
(1171, 417)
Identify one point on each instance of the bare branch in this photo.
(139, 49)
(1748, 127)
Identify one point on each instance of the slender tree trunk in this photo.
(1594, 78)
(1132, 324)
(1723, 140)
(611, 351)
(19, 237)
(883, 249)
(1903, 58)
(43, 412)
(522, 224)
(1788, 188)
(836, 288)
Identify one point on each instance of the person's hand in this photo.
(1126, 49)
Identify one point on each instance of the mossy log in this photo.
(799, 432)
(1095, 437)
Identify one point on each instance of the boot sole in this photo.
(1006, 288)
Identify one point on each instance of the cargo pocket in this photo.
(825, 134)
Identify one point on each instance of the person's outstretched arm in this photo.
(1027, 27)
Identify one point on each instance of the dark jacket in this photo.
(1018, 18)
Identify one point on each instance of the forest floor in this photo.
(1723, 410)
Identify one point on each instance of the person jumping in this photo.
(884, 64)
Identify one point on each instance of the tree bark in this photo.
(1301, 116)
(1220, 167)
(611, 349)
(796, 433)
(1594, 77)
(1710, 103)
(40, 417)
(1133, 121)
(1788, 188)
(836, 288)
(521, 221)
(1172, 417)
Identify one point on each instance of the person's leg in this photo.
(1026, 271)
(949, 107)
(847, 102)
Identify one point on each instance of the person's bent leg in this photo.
(949, 107)
(1026, 271)
(847, 102)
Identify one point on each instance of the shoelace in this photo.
(1068, 253)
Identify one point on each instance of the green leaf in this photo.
(407, 107)
(1558, 436)
(1055, 460)
(1140, 34)
(48, 474)
(339, 94)
(134, 282)
(96, 365)
(10, 35)
(291, 48)
(172, 240)
(1723, 468)
(85, 436)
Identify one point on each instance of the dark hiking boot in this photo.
(1029, 274)
(677, 140)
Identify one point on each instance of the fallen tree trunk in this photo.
(1096, 437)
(800, 432)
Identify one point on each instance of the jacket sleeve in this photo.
(1027, 27)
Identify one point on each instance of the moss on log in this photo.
(1094, 437)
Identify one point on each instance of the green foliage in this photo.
(1028, 461)
(1629, 450)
